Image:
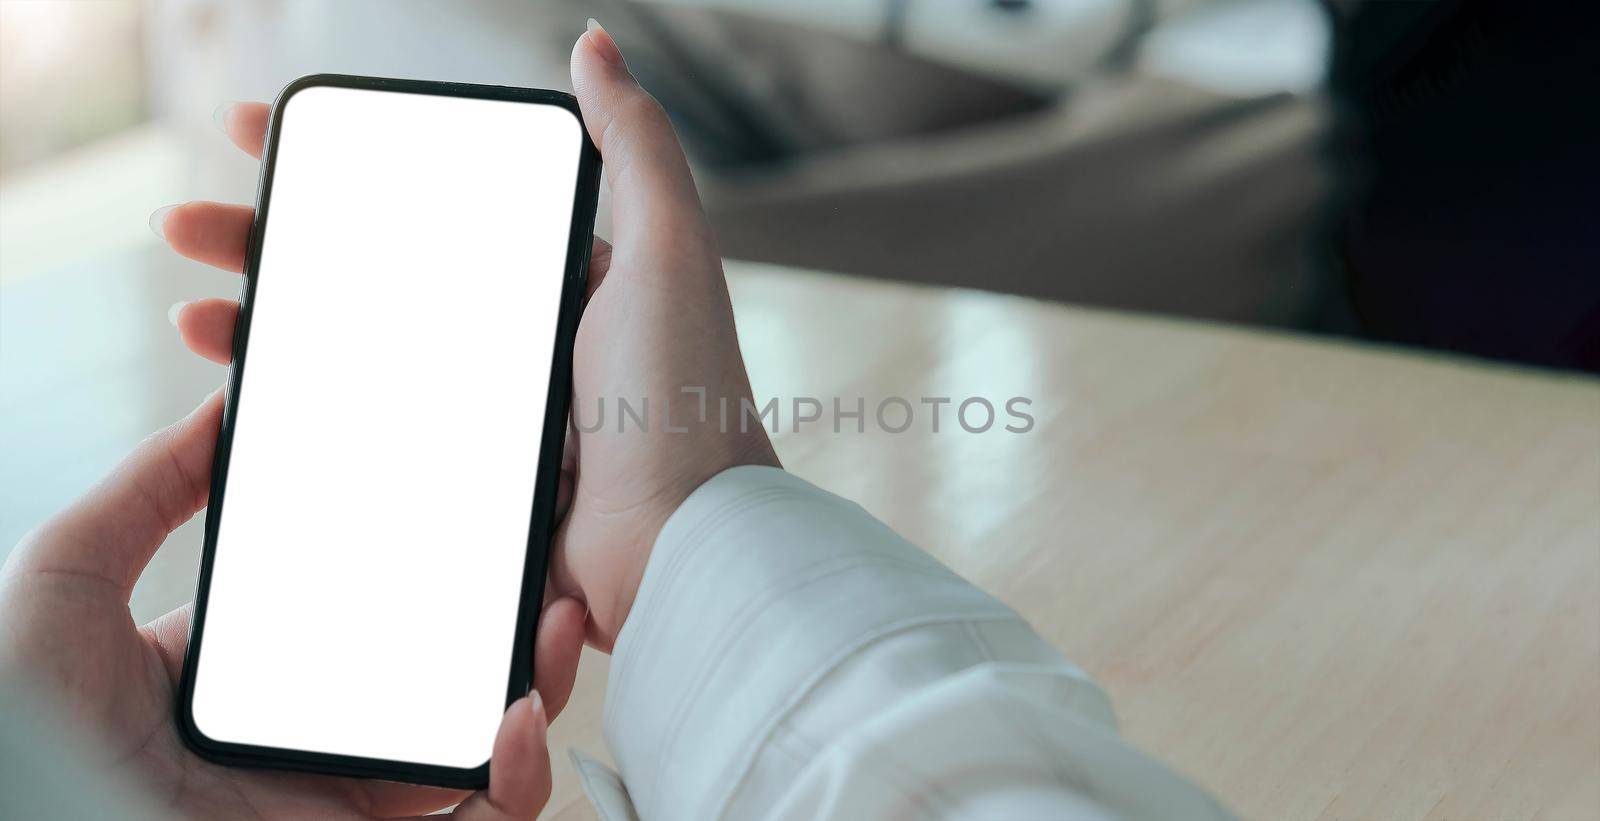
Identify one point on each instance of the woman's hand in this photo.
(658, 322)
(658, 328)
(64, 609)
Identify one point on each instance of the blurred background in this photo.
(1411, 173)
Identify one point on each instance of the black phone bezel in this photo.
(536, 565)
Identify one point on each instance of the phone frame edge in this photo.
(542, 516)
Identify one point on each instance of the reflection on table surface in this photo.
(1320, 579)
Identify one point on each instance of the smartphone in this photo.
(385, 474)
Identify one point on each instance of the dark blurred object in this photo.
(748, 92)
(1478, 226)
(1118, 188)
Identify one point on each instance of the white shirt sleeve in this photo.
(789, 656)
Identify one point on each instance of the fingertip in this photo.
(519, 773)
(598, 68)
(158, 220)
(653, 192)
(558, 648)
(176, 225)
(565, 610)
(521, 738)
(562, 627)
(208, 232)
(206, 327)
(604, 45)
(219, 117)
(245, 125)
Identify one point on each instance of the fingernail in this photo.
(604, 44)
(536, 704)
(219, 117)
(158, 219)
(176, 311)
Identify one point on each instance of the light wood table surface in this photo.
(1323, 580)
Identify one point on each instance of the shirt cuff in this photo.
(758, 585)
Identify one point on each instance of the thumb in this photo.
(112, 531)
(519, 767)
(655, 207)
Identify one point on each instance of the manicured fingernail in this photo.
(176, 311)
(604, 44)
(219, 117)
(158, 220)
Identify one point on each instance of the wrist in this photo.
(610, 609)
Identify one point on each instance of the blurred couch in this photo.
(1045, 149)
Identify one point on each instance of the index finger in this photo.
(245, 124)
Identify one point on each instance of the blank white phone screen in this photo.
(374, 528)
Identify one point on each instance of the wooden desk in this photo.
(1321, 579)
